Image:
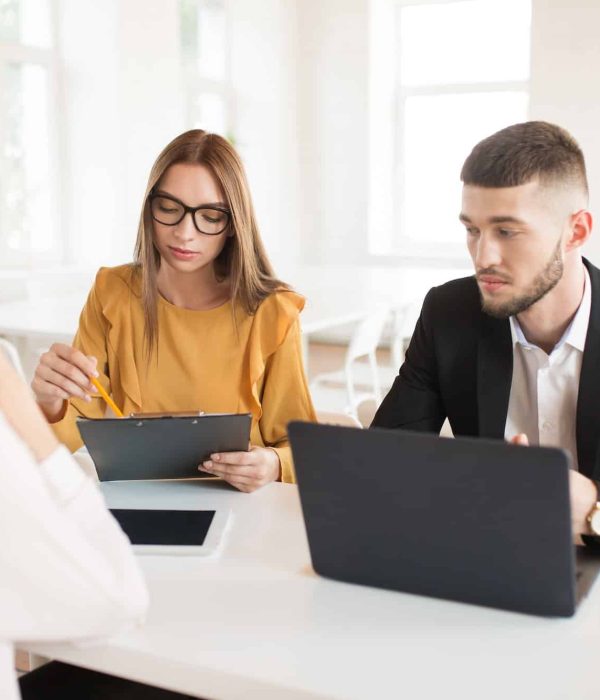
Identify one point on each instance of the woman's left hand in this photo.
(247, 471)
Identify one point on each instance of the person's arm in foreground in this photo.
(68, 571)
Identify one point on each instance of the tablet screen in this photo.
(165, 527)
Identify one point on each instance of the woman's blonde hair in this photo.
(243, 259)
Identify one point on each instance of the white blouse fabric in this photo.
(67, 571)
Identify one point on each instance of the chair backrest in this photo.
(335, 418)
(13, 356)
(364, 343)
(405, 319)
(367, 333)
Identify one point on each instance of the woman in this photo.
(198, 321)
(68, 572)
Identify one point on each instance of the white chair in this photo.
(405, 318)
(13, 356)
(337, 391)
(333, 418)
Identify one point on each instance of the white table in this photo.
(257, 623)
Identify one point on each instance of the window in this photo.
(204, 42)
(28, 153)
(461, 73)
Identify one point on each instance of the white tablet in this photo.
(187, 532)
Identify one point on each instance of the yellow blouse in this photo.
(204, 361)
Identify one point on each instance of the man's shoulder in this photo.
(456, 297)
(593, 272)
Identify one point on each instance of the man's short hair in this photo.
(523, 152)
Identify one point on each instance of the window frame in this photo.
(401, 246)
(16, 53)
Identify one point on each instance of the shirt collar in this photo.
(576, 332)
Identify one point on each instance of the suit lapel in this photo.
(588, 400)
(494, 376)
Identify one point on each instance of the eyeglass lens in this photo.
(169, 212)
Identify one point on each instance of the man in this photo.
(514, 351)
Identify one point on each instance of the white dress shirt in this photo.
(67, 571)
(544, 389)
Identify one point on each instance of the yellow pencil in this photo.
(106, 397)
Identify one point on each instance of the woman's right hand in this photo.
(62, 373)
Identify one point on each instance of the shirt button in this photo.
(547, 425)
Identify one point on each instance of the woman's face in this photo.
(182, 246)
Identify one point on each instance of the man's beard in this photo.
(546, 280)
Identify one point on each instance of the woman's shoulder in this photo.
(117, 282)
(274, 318)
(284, 305)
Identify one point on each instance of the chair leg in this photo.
(397, 348)
(375, 376)
(350, 390)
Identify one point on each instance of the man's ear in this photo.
(580, 229)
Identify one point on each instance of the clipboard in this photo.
(161, 446)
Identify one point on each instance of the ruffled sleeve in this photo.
(278, 387)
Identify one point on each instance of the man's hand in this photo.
(520, 439)
(247, 471)
(582, 491)
(584, 495)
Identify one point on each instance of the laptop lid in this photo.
(474, 520)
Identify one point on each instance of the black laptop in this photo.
(474, 520)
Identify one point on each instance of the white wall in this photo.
(334, 133)
(124, 101)
(565, 82)
(333, 129)
(300, 73)
(89, 126)
(151, 103)
(263, 68)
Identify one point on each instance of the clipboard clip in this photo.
(175, 414)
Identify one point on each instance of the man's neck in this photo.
(544, 323)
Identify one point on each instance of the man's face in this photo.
(514, 236)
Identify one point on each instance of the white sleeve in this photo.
(67, 570)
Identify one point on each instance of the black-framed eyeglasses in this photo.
(208, 218)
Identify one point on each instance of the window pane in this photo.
(26, 22)
(204, 37)
(26, 213)
(439, 133)
(464, 42)
(9, 20)
(209, 113)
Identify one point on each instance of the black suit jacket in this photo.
(459, 365)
